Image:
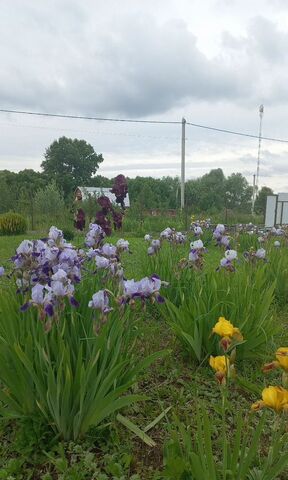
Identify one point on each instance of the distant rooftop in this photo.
(86, 192)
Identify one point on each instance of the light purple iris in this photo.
(2, 271)
(94, 236)
(100, 301)
(122, 245)
(260, 253)
(167, 233)
(220, 228)
(193, 255)
(25, 247)
(225, 241)
(198, 244)
(109, 250)
(179, 238)
(102, 262)
(147, 287)
(198, 231)
(154, 247)
(231, 255)
(148, 238)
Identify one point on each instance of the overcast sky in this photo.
(212, 61)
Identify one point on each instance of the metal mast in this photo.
(256, 183)
(261, 113)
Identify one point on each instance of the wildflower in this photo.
(25, 247)
(148, 238)
(277, 244)
(282, 357)
(167, 233)
(154, 247)
(2, 271)
(221, 366)
(102, 262)
(100, 301)
(122, 245)
(196, 245)
(275, 398)
(231, 255)
(225, 241)
(55, 235)
(227, 264)
(224, 328)
(146, 288)
(220, 228)
(260, 253)
(198, 231)
(109, 250)
(280, 362)
(219, 363)
(94, 236)
(179, 238)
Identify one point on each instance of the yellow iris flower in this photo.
(219, 364)
(273, 397)
(282, 357)
(224, 328)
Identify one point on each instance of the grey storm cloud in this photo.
(59, 59)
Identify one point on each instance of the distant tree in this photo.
(99, 181)
(211, 191)
(49, 201)
(70, 162)
(260, 202)
(238, 192)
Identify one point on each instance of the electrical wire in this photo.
(129, 120)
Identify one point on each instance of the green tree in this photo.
(238, 193)
(260, 202)
(211, 191)
(71, 163)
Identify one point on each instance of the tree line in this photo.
(69, 163)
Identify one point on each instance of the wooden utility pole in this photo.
(183, 164)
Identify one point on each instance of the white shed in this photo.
(276, 210)
(82, 193)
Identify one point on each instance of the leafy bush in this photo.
(12, 224)
(49, 200)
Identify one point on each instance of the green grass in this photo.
(29, 451)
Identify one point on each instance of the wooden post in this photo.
(183, 164)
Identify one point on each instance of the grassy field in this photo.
(175, 384)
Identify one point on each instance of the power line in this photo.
(83, 117)
(232, 132)
(92, 132)
(129, 120)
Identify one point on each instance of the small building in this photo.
(83, 193)
(276, 210)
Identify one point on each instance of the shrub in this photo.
(49, 200)
(12, 224)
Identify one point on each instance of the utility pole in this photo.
(253, 194)
(256, 183)
(183, 164)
